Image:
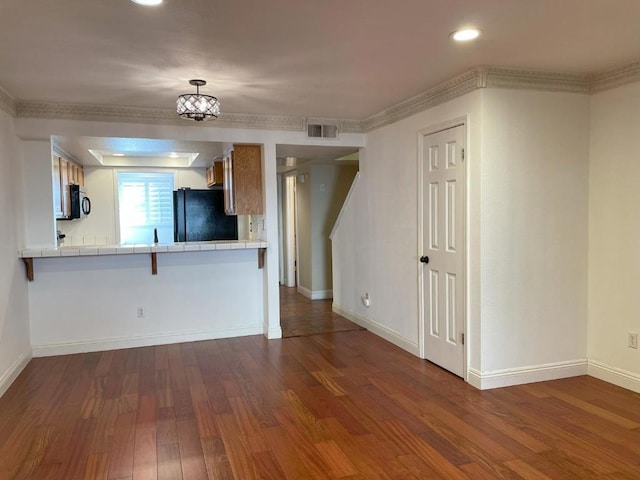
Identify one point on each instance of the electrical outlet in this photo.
(633, 340)
(140, 312)
(365, 300)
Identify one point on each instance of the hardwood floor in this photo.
(300, 316)
(342, 405)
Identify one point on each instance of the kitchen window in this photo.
(145, 203)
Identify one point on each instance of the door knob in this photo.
(424, 259)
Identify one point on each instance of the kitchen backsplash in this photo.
(250, 227)
(256, 230)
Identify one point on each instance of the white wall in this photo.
(83, 304)
(527, 187)
(534, 201)
(319, 200)
(329, 187)
(375, 248)
(38, 180)
(614, 233)
(303, 230)
(15, 348)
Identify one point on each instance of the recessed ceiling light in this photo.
(465, 34)
(147, 2)
(118, 154)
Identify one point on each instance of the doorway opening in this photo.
(313, 183)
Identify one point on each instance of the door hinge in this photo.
(462, 338)
(463, 154)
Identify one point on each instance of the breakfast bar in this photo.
(29, 254)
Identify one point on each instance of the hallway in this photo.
(300, 316)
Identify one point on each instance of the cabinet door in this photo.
(215, 174)
(218, 173)
(209, 176)
(76, 174)
(64, 187)
(247, 179)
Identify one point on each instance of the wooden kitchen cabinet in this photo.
(243, 180)
(76, 174)
(64, 173)
(215, 175)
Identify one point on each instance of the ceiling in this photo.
(337, 59)
(333, 59)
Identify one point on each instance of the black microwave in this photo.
(79, 202)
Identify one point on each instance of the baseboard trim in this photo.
(381, 331)
(142, 341)
(617, 376)
(273, 332)
(9, 376)
(315, 294)
(522, 375)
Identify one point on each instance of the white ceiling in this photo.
(338, 59)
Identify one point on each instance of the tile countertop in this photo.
(86, 250)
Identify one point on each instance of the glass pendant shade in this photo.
(196, 106)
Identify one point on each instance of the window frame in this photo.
(116, 185)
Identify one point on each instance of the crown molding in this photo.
(260, 122)
(7, 103)
(456, 87)
(469, 81)
(480, 77)
(106, 113)
(101, 113)
(616, 77)
(504, 77)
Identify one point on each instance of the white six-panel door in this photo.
(442, 254)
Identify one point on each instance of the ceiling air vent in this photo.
(322, 131)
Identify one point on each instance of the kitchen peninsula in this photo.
(99, 293)
(29, 254)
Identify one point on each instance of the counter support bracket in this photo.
(261, 252)
(154, 263)
(28, 263)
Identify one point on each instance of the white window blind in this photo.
(145, 203)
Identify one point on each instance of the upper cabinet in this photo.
(64, 173)
(215, 175)
(243, 180)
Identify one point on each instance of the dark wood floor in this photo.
(343, 405)
(300, 316)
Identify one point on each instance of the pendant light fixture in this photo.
(196, 106)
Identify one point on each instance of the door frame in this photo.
(290, 230)
(439, 127)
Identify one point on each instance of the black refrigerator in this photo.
(198, 216)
